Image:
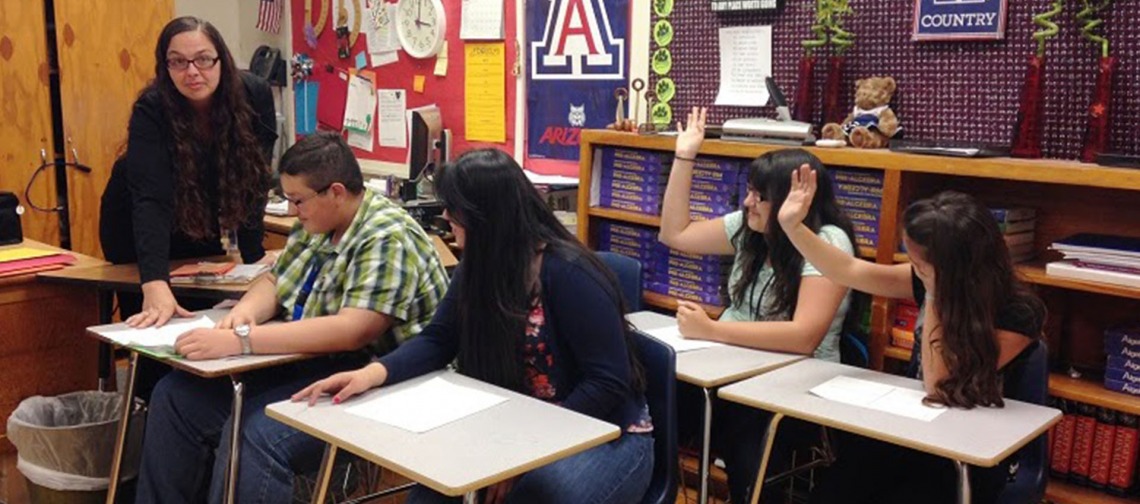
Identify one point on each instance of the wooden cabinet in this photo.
(43, 346)
(1069, 197)
(105, 54)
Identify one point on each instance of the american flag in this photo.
(269, 16)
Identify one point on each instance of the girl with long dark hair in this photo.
(532, 310)
(778, 301)
(196, 163)
(977, 323)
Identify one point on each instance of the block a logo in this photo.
(578, 44)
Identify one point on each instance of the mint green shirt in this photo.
(741, 310)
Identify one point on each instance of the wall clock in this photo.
(421, 26)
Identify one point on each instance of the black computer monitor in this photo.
(425, 150)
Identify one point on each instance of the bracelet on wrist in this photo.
(691, 160)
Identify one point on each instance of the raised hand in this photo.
(798, 203)
(691, 134)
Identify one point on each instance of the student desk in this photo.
(39, 354)
(955, 434)
(277, 229)
(710, 368)
(108, 278)
(492, 445)
(232, 367)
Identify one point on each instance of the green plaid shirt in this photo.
(385, 262)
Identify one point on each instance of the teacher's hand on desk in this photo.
(201, 344)
(344, 385)
(158, 306)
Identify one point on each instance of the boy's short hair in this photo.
(323, 158)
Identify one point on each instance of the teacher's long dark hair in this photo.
(507, 222)
(243, 172)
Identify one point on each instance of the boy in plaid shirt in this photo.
(357, 277)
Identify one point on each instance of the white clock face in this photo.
(421, 25)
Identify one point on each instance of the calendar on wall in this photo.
(744, 5)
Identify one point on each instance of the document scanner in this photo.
(782, 130)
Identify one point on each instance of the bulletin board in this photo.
(947, 90)
(445, 92)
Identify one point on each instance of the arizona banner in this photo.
(577, 55)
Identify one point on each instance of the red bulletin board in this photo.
(445, 92)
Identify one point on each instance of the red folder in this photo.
(333, 96)
(34, 264)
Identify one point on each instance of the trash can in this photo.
(65, 445)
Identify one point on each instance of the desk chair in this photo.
(628, 272)
(1032, 386)
(660, 364)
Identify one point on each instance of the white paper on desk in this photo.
(745, 60)
(277, 208)
(540, 179)
(393, 112)
(158, 338)
(672, 336)
(481, 20)
(431, 404)
(878, 396)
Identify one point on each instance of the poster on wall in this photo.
(577, 55)
(959, 19)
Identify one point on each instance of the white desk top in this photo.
(498, 443)
(716, 366)
(981, 436)
(211, 368)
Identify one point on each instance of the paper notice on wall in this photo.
(745, 60)
(485, 104)
(481, 20)
(393, 110)
(379, 30)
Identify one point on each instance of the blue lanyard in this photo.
(307, 288)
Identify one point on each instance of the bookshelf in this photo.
(1060, 492)
(1070, 197)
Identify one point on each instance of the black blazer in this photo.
(137, 208)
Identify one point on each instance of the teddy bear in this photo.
(872, 123)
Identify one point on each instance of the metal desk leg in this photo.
(471, 498)
(706, 440)
(124, 422)
(963, 481)
(769, 441)
(235, 440)
(324, 474)
(106, 356)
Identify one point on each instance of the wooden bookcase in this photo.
(1070, 197)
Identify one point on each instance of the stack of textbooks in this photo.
(632, 180)
(635, 180)
(665, 271)
(1095, 447)
(906, 318)
(860, 195)
(1122, 371)
(1017, 225)
(1098, 258)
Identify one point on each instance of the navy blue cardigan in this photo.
(592, 373)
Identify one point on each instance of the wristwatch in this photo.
(242, 332)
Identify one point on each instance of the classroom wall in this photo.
(947, 90)
(447, 92)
